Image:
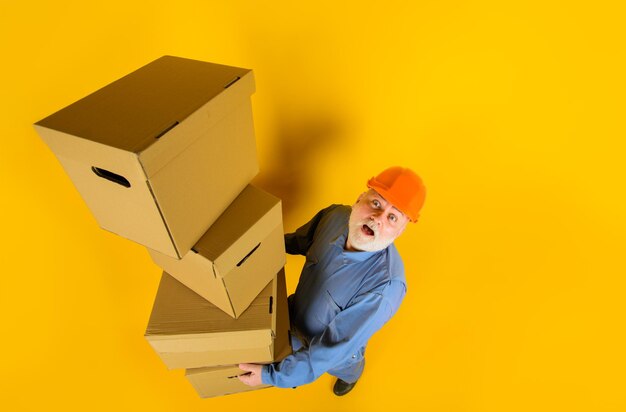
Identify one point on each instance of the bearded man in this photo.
(351, 284)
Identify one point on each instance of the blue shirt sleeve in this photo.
(299, 242)
(343, 337)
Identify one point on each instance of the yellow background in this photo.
(512, 112)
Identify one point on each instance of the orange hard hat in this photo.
(403, 188)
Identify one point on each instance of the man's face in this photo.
(374, 223)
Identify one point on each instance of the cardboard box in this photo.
(187, 331)
(222, 380)
(237, 257)
(159, 154)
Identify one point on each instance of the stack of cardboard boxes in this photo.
(164, 157)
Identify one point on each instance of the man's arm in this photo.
(299, 242)
(342, 338)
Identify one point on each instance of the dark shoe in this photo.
(341, 387)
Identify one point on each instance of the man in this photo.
(351, 284)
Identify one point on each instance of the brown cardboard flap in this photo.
(246, 222)
(199, 359)
(178, 310)
(282, 341)
(210, 120)
(258, 269)
(134, 111)
(192, 184)
(216, 342)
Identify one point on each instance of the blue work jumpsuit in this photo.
(342, 298)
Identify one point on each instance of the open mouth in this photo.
(367, 230)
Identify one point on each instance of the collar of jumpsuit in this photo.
(350, 256)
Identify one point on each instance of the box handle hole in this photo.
(271, 304)
(248, 255)
(113, 177)
(233, 81)
(166, 130)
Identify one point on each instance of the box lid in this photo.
(248, 220)
(179, 311)
(132, 112)
(226, 371)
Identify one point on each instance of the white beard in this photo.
(360, 241)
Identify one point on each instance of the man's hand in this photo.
(253, 377)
